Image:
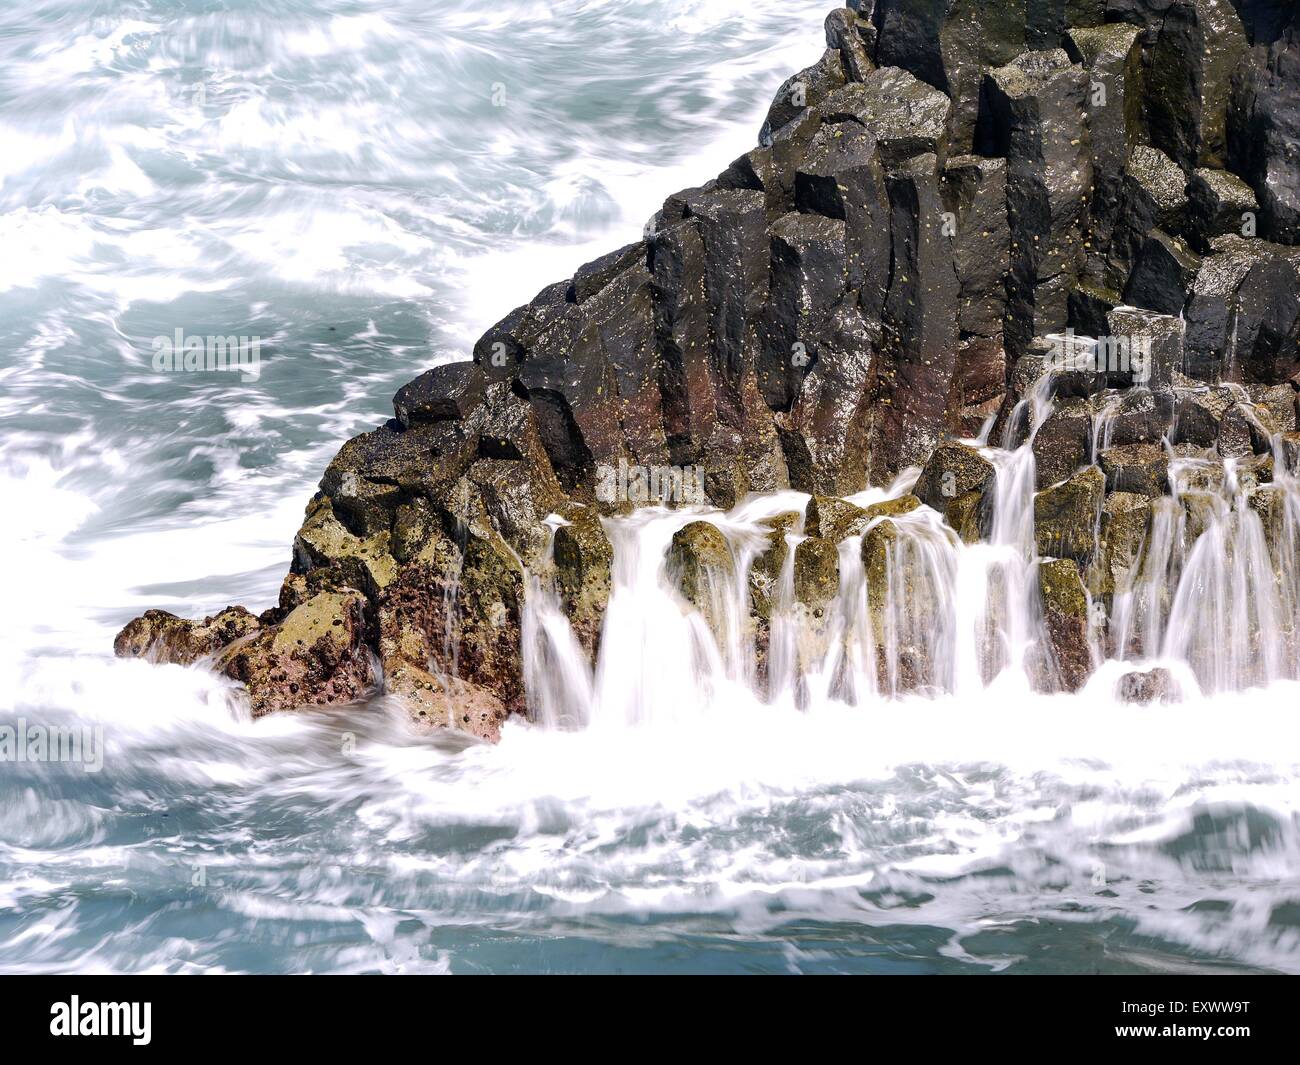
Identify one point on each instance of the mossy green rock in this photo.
(969, 516)
(315, 657)
(835, 519)
(1125, 525)
(952, 471)
(1139, 468)
(1065, 615)
(816, 573)
(584, 560)
(325, 542)
(769, 565)
(699, 550)
(160, 637)
(1065, 516)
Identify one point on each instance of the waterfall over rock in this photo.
(978, 373)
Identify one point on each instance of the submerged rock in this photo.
(1148, 686)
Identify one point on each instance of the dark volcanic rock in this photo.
(1188, 81)
(1264, 128)
(949, 44)
(1164, 272)
(446, 393)
(1112, 55)
(905, 115)
(1154, 196)
(975, 196)
(841, 177)
(801, 92)
(1036, 118)
(809, 260)
(919, 342)
(1219, 203)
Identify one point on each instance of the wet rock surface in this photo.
(930, 206)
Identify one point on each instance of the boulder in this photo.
(449, 392)
(1218, 203)
(1154, 196)
(163, 638)
(854, 37)
(816, 573)
(1144, 347)
(1066, 516)
(317, 656)
(834, 519)
(766, 571)
(801, 92)
(698, 556)
(591, 278)
(1147, 686)
(1125, 525)
(1198, 415)
(952, 471)
(1063, 443)
(1136, 416)
(1245, 429)
(906, 116)
(584, 561)
(1163, 274)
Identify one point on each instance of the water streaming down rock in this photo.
(1216, 585)
(1213, 594)
(921, 247)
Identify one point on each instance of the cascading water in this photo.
(1213, 595)
(682, 804)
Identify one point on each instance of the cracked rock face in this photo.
(951, 185)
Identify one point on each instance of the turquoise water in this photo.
(365, 187)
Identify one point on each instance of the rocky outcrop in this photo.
(931, 205)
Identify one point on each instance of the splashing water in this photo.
(345, 187)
